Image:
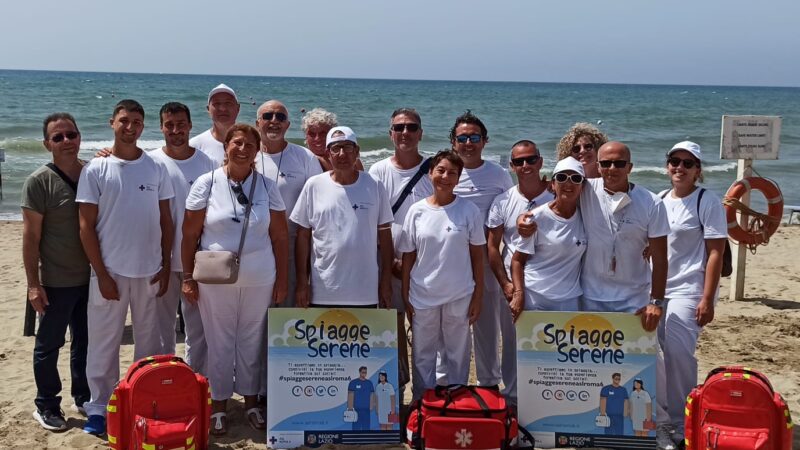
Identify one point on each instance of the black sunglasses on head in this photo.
(71, 135)
(531, 160)
(410, 127)
(279, 116)
(240, 197)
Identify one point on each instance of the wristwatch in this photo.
(657, 302)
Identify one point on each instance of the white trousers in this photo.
(495, 322)
(444, 329)
(678, 333)
(234, 319)
(195, 348)
(106, 323)
(168, 313)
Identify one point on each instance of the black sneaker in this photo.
(51, 420)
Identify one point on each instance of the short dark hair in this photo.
(128, 105)
(450, 156)
(172, 108)
(362, 368)
(56, 117)
(616, 374)
(468, 117)
(407, 112)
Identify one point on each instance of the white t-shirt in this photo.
(504, 211)
(208, 144)
(620, 237)
(686, 247)
(395, 180)
(553, 268)
(344, 223)
(441, 236)
(128, 217)
(481, 185)
(221, 232)
(182, 173)
(289, 169)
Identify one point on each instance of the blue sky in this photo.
(734, 42)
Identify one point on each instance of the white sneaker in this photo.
(664, 437)
(78, 409)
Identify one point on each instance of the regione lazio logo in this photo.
(463, 438)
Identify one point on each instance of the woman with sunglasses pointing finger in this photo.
(234, 314)
(555, 251)
(695, 246)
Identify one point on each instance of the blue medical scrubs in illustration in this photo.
(614, 404)
(361, 397)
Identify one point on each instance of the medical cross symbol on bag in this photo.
(463, 438)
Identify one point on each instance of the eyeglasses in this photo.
(71, 135)
(687, 163)
(240, 197)
(531, 160)
(575, 178)
(346, 148)
(279, 116)
(473, 138)
(577, 147)
(410, 127)
(618, 163)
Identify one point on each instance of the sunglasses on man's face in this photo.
(687, 163)
(574, 178)
(240, 197)
(531, 160)
(410, 127)
(618, 163)
(473, 138)
(71, 135)
(279, 116)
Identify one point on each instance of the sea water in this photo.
(650, 119)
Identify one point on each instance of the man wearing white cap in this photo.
(223, 108)
(526, 161)
(345, 214)
(288, 165)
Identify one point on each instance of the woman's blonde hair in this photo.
(580, 129)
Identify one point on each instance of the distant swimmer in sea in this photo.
(223, 108)
(582, 142)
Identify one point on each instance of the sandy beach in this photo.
(763, 332)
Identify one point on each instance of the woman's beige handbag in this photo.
(222, 266)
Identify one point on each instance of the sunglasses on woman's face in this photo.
(574, 178)
(687, 163)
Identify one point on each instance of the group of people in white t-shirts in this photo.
(462, 250)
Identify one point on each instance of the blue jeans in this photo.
(67, 308)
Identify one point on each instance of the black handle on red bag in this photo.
(159, 359)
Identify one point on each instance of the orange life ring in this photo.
(774, 198)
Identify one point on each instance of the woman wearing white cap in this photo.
(695, 246)
(555, 251)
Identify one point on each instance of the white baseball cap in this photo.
(569, 163)
(339, 134)
(222, 87)
(689, 146)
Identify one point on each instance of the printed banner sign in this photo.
(332, 377)
(586, 379)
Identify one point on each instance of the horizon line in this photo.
(400, 79)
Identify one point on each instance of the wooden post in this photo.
(739, 252)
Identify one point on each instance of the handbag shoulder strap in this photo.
(423, 168)
(247, 214)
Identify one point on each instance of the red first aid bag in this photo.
(159, 404)
(737, 409)
(461, 417)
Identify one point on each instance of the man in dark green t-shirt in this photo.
(56, 269)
